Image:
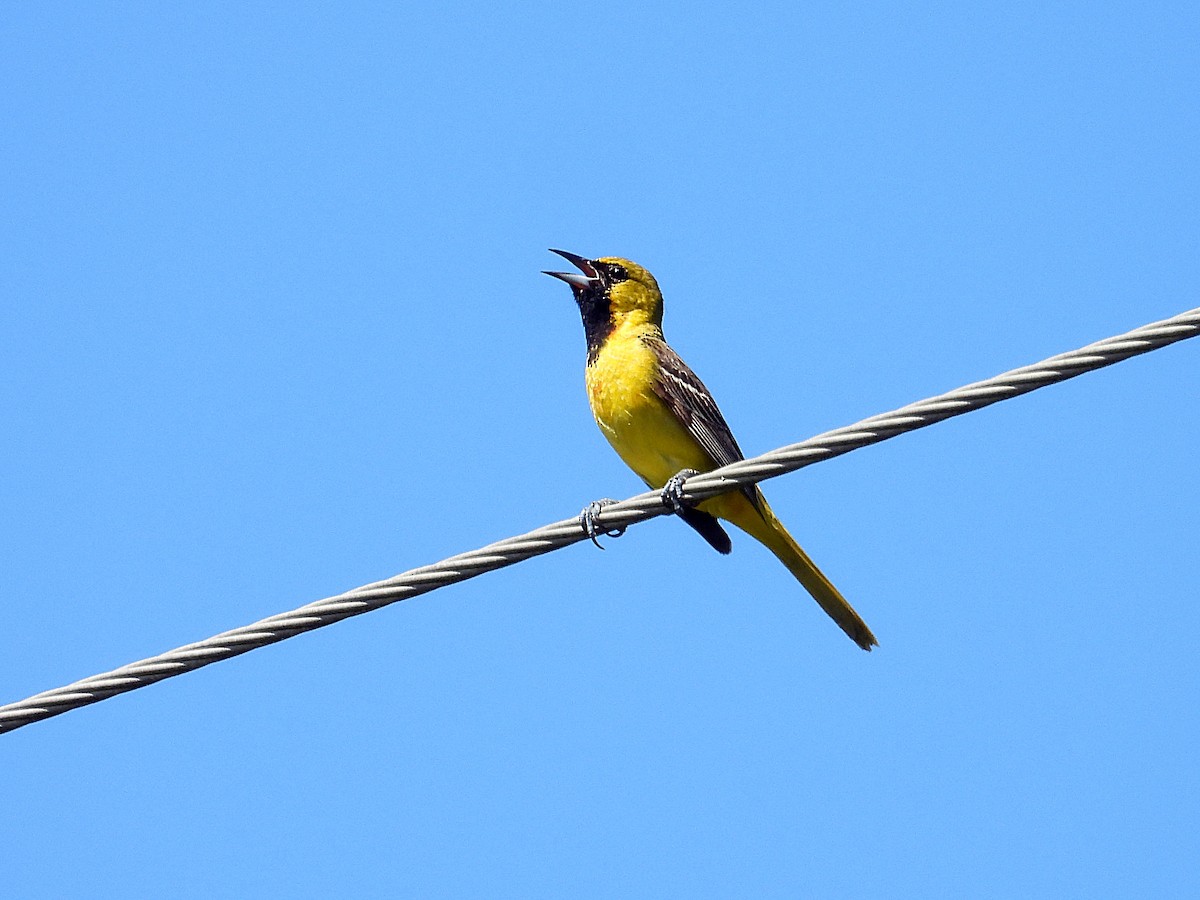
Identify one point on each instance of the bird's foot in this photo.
(589, 521)
(672, 492)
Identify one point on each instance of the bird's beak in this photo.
(589, 279)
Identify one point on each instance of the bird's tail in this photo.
(768, 530)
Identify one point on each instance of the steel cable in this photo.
(617, 516)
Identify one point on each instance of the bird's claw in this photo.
(589, 520)
(672, 492)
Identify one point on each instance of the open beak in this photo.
(589, 279)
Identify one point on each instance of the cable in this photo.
(619, 515)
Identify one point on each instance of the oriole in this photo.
(661, 419)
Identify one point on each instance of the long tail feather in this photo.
(768, 530)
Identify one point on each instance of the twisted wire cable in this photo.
(616, 517)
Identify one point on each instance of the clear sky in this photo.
(272, 326)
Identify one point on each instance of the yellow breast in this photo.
(638, 424)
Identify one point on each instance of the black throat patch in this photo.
(595, 306)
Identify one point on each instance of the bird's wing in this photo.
(693, 405)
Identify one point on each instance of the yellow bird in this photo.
(662, 420)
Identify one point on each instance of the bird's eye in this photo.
(617, 273)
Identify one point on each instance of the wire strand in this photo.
(568, 531)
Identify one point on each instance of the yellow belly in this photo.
(640, 427)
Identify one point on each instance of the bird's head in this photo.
(612, 290)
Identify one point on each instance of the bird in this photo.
(664, 423)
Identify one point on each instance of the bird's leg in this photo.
(589, 520)
(672, 492)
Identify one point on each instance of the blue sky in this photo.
(273, 327)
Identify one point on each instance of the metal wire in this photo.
(568, 531)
